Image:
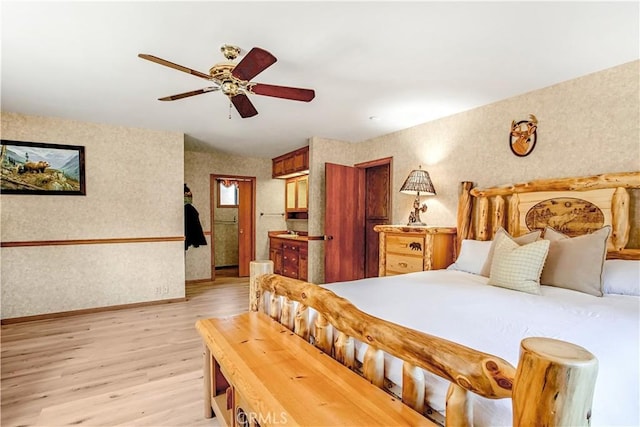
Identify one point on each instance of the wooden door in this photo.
(245, 227)
(377, 209)
(344, 223)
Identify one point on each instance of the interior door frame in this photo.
(213, 179)
(385, 161)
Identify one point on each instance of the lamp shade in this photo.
(418, 182)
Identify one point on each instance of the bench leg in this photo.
(206, 381)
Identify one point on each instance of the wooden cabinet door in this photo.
(302, 199)
(344, 223)
(288, 165)
(275, 255)
(303, 265)
(290, 195)
(299, 161)
(278, 168)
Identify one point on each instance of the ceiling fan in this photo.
(233, 79)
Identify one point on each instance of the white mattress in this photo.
(461, 307)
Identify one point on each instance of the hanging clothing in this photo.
(193, 234)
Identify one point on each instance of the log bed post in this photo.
(256, 269)
(459, 410)
(324, 334)
(373, 366)
(482, 230)
(413, 386)
(301, 327)
(345, 350)
(287, 315)
(554, 384)
(464, 213)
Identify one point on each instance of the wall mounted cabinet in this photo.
(297, 194)
(291, 164)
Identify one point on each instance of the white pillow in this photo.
(473, 255)
(621, 277)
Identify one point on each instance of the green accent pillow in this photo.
(518, 267)
(521, 240)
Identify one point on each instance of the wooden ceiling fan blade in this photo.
(254, 62)
(244, 105)
(188, 94)
(294, 93)
(173, 65)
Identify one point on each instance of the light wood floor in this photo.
(139, 366)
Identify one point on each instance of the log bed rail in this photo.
(539, 389)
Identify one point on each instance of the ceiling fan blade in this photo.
(297, 94)
(174, 66)
(244, 105)
(254, 62)
(187, 94)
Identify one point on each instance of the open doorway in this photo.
(232, 224)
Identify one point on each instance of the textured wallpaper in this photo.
(269, 200)
(134, 190)
(586, 126)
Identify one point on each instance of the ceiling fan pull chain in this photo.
(230, 106)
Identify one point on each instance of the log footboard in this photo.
(552, 385)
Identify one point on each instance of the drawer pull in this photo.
(403, 264)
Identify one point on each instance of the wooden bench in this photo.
(257, 372)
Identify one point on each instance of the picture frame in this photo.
(42, 168)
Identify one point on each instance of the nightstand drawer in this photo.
(404, 264)
(405, 244)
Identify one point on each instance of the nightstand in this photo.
(407, 249)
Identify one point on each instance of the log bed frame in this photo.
(544, 365)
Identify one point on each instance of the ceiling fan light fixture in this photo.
(230, 88)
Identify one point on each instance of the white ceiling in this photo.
(403, 62)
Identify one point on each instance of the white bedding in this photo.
(461, 307)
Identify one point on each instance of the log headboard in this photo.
(573, 206)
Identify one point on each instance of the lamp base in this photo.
(415, 224)
(414, 217)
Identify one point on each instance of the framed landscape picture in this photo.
(40, 168)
